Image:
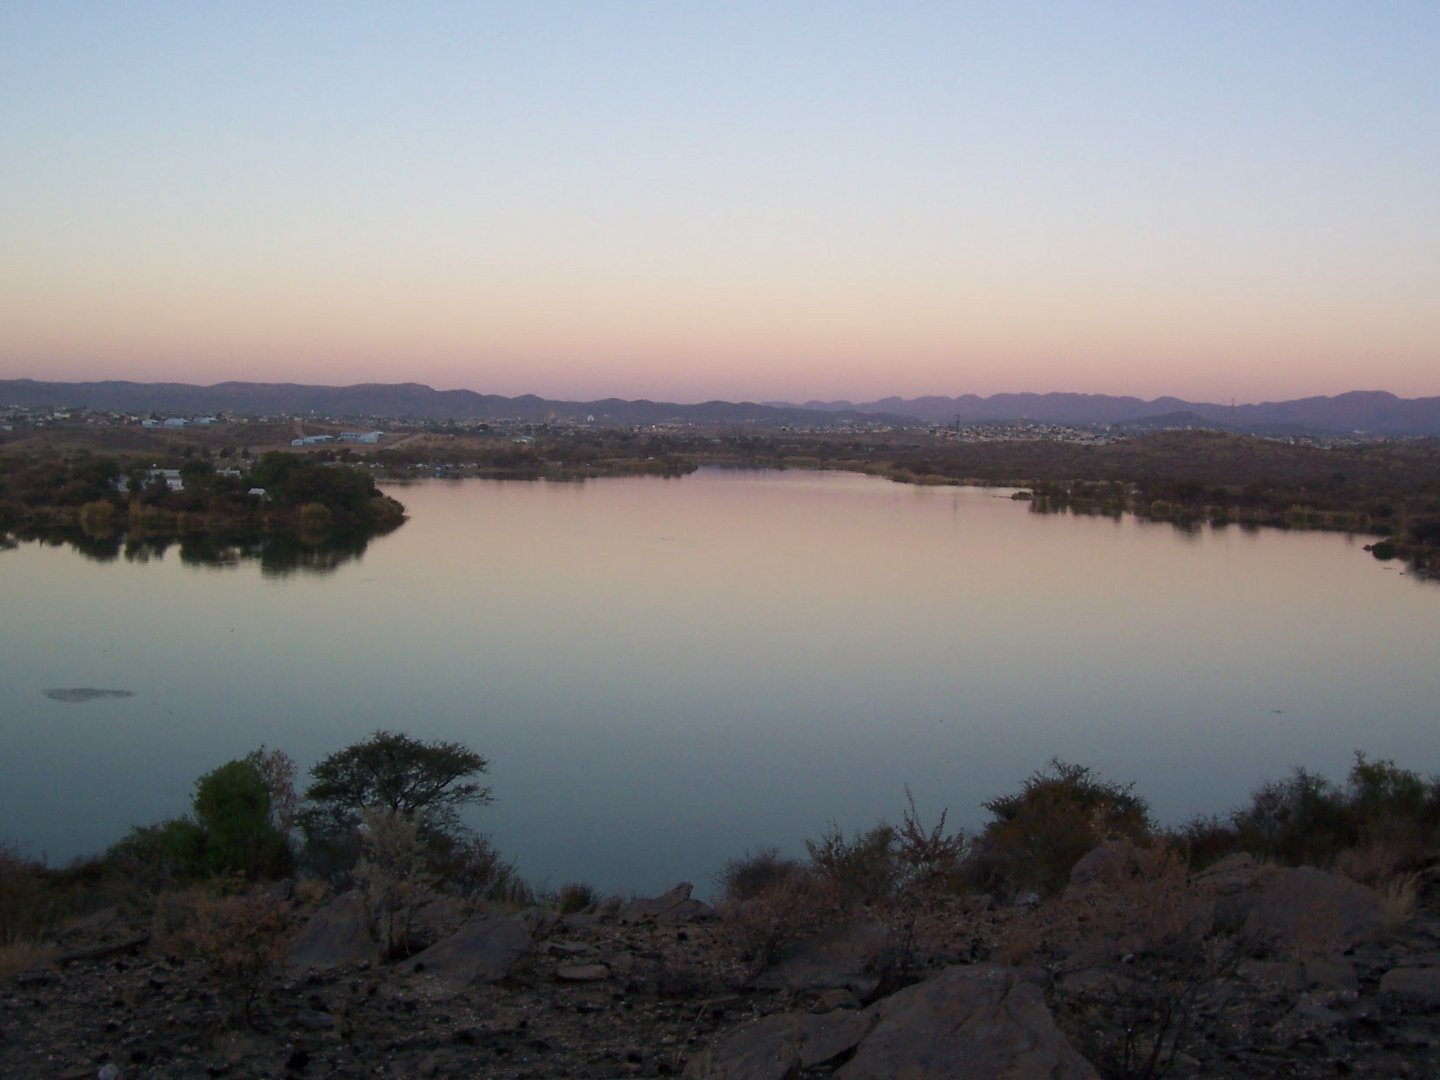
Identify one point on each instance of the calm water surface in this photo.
(664, 673)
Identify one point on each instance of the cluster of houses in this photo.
(179, 421)
(344, 437)
(175, 482)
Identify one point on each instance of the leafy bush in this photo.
(1381, 790)
(471, 866)
(235, 828)
(1382, 822)
(232, 808)
(316, 518)
(24, 900)
(1041, 831)
(760, 928)
(292, 481)
(1203, 840)
(156, 857)
(1302, 819)
(862, 869)
(929, 857)
(755, 873)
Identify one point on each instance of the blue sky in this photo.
(733, 200)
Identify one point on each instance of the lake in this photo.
(666, 673)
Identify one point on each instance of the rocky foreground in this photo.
(1244, 971)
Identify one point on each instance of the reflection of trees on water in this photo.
(279, 554)
(290, 553)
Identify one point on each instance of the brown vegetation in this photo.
(1150, 963)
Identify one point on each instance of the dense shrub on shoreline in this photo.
(1382, 822)
(1377, 827)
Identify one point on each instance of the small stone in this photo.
(569, 948)
(1422, 983)
(314, 1020)
(582, 972)
(831, 1000)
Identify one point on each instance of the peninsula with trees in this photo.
(288, 508)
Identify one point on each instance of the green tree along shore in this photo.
(293, 509)
(249, 822)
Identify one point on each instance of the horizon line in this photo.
(772, 402)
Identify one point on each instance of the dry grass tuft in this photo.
(311, 892)
(1374, 863)
(239, 938)
(760, 928)
(1398, 897)
(20, 956)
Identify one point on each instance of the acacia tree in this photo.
(429, 781)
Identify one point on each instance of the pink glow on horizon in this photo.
(823, 351)
(724, 201)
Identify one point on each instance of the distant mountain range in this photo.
(399, 401)
(1375, 412)
(1372, 411)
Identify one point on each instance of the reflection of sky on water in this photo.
(667, 672)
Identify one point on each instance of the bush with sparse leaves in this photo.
(1037, 834)
(240, 938)
(863, 868)
(393, 875)
(755, 873)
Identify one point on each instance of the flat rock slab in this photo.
(485, 949)
(778, 1047)
(842, 961)
(338, 935)
(582, 972)
(674, 906)
(1422, 983)
(1310, 912)
(1111, 861)
(78, 694)
(967, 1023)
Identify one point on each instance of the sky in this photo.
(685, 201)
